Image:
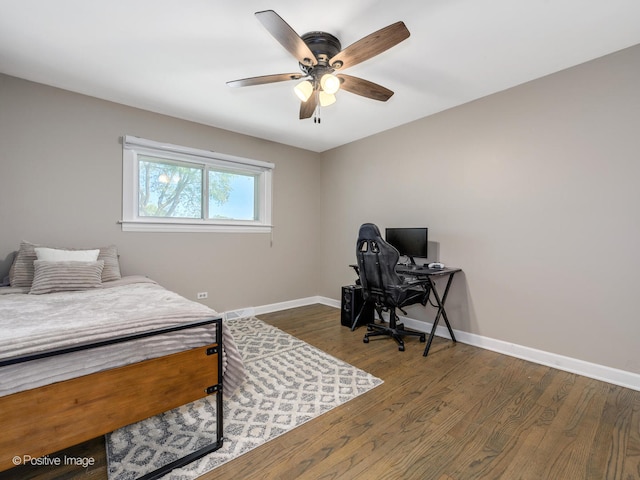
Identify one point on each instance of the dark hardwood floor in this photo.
(462, 413)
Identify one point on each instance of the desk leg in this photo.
(441, 312)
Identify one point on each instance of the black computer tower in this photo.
(352, 302)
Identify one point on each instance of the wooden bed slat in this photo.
(44, 420)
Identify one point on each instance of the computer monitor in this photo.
(410, 242)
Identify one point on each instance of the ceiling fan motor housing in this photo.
(324, 46)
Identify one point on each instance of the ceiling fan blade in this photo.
(279, 77)
(287, 37)
(363, 87)
(370, 46)
(307, 108)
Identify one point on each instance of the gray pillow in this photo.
(21, 272)
(109, 255)
(69, 276)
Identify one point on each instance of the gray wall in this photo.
(61, 184)
(532, 191)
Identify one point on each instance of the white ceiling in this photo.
(174, 57)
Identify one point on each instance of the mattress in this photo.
(36, 325)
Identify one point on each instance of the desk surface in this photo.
(419, 270)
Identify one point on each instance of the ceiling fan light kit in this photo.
(319, 55)
(326, 99)
(330, 83)
(304, 90)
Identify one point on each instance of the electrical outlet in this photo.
(202, 295)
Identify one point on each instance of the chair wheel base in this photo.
(423, 338)
(365, 340)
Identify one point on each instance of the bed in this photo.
(79, 361)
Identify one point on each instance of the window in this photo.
(173, 188)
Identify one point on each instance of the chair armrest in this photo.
(409, 292)
(408, 285)
(413, 281)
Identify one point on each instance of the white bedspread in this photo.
(38, 323)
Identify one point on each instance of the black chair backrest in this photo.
(377, 262)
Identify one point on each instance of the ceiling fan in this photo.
(319, 55)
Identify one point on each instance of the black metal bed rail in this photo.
(212, 447)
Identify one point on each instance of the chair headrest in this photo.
(369, 231)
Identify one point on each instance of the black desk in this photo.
(431, 275)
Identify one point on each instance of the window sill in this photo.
(132, 226)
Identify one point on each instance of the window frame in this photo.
(133, 146)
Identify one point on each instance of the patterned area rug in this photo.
(288, 383)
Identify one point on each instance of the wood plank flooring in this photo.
(462, 413)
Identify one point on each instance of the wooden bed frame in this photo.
(47, 419)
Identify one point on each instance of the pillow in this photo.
(55, 255)
(111, 271)
(66, 276)
(21, 271)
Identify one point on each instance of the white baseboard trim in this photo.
(276, 307)
(592, 370)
